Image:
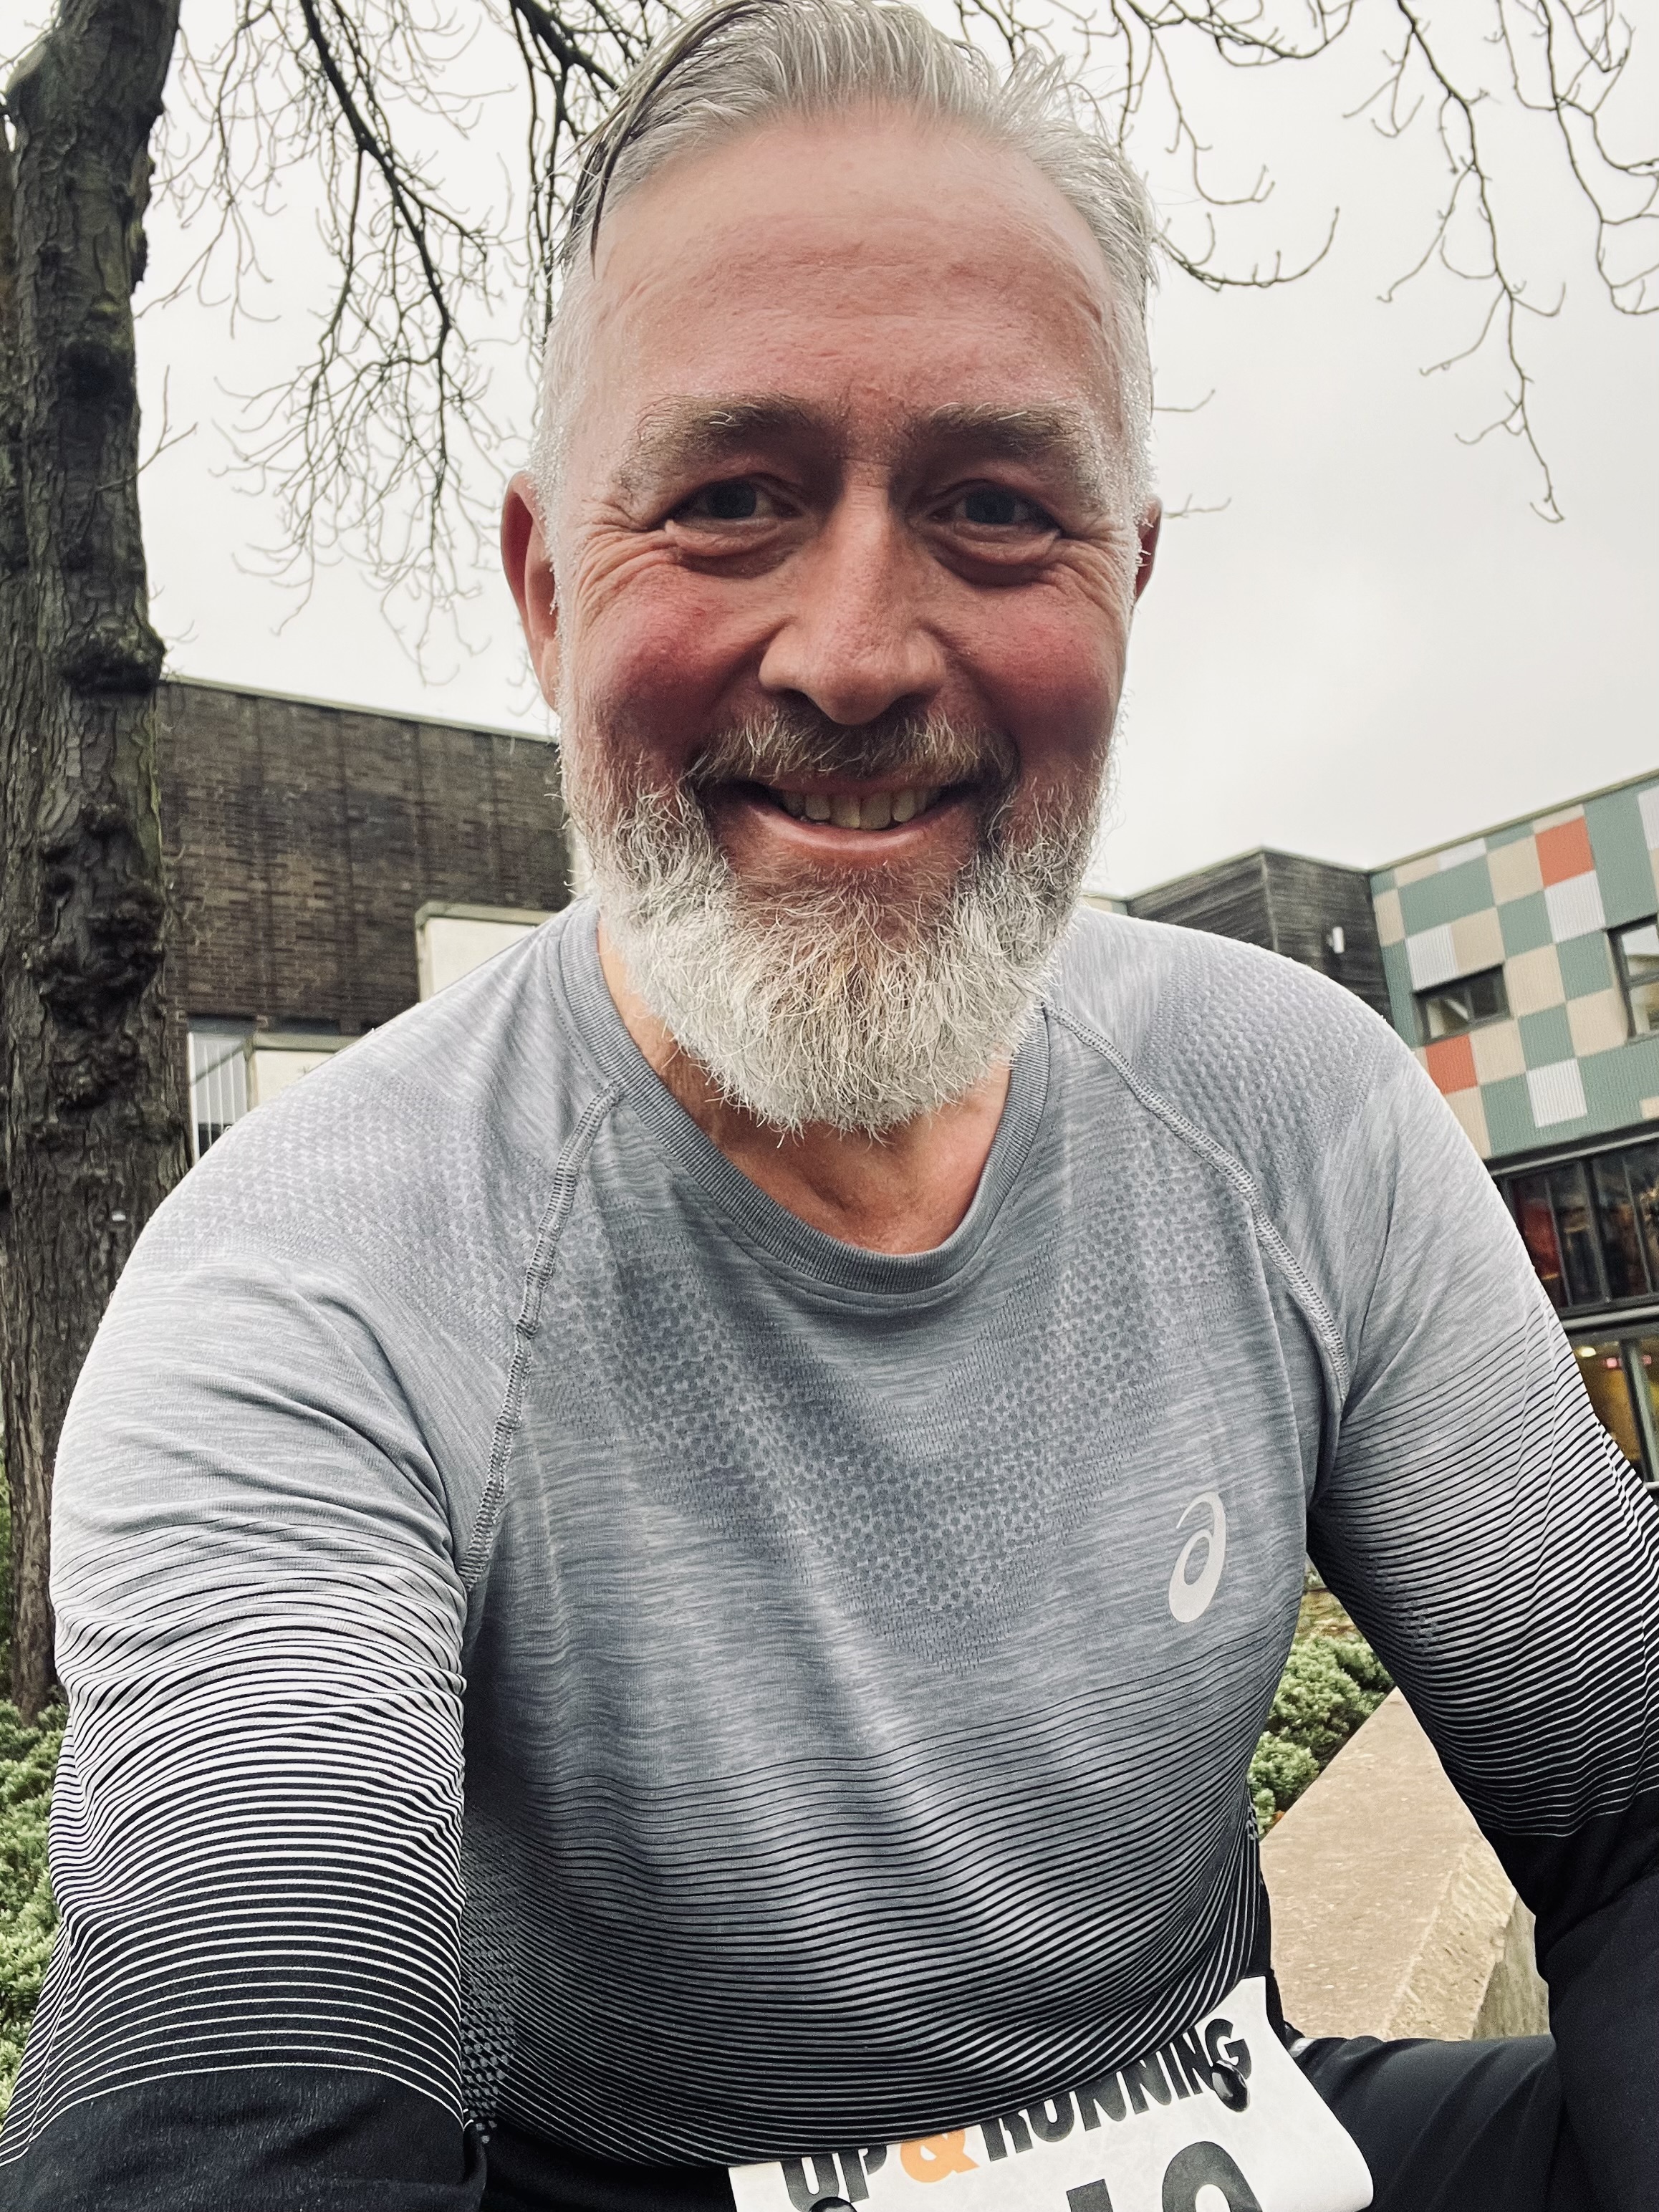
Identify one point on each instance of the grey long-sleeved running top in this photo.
(557, 1644)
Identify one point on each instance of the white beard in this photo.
(829, 1002)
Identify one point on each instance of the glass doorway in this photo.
(1621, 1375)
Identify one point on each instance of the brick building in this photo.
(326, 864)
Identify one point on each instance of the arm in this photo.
(1491, 1540)
(257, 1824)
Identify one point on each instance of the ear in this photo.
(1151, 524)
(530, 573)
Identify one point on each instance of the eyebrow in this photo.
(703, 433)
(1068, 435)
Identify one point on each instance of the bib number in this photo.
(1220, 2119)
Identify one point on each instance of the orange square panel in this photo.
(1564, 851)
(1451, 1062)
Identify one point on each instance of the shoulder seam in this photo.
(566, 1176)
(1300, 1285)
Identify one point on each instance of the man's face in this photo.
(842, 527)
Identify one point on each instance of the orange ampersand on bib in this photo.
(934, 2157)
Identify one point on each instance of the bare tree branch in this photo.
(369, 448)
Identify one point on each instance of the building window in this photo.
(1635, 950)
(450, 941)
(218, 1080)
(235, 1067)
(1591, 1227)
(1622, 1382)
(1449, 1009)
(277, 1058)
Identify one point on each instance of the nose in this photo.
(855, 640)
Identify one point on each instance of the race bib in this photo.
(1220, 2119)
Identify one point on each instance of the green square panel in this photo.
(1397, 971)
(1510, 1124)
(1446, 897)
(1620, 844)
(1526, 924)
(1544, 1037)
(1382, 881)
(1616, 1083)
(1587, 965)
(1512, 835)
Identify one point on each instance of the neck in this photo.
(904, 1191)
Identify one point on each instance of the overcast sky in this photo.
(1375, 645)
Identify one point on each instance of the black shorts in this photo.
(1444, 2127)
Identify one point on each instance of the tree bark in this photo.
(94, 1134)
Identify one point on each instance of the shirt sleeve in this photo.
(1489, 1537)
(256, 1830)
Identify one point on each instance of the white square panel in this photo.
(1432, 957)
(1556, 1093)
(1649, 803)
(1454, 855)
(1575, 907)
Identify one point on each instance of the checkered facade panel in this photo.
(1539, 899)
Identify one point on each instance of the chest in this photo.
(744, 1509)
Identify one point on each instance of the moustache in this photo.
(800, 742)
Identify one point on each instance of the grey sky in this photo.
(1375, 645)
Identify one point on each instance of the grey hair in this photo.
(736, 65)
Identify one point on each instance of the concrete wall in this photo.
(1392, 1915)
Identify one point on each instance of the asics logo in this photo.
(1198, 1571)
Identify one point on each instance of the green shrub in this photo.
(1321, 1701)
(1330, 1686)
(1279, 1771)
(28, 1917)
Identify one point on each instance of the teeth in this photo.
(880, 810)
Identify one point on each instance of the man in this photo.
(667, 1576)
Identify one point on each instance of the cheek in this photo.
(1052, 676)
(655, 662)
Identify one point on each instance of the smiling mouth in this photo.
(847, 809)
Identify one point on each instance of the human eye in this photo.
(739, 499)
(994, 511)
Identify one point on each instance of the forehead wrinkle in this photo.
(676, 433)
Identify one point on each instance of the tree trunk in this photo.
(94, 1135)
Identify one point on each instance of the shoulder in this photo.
(1258, 1062)
(1289, 1081)
(1234, 1038)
